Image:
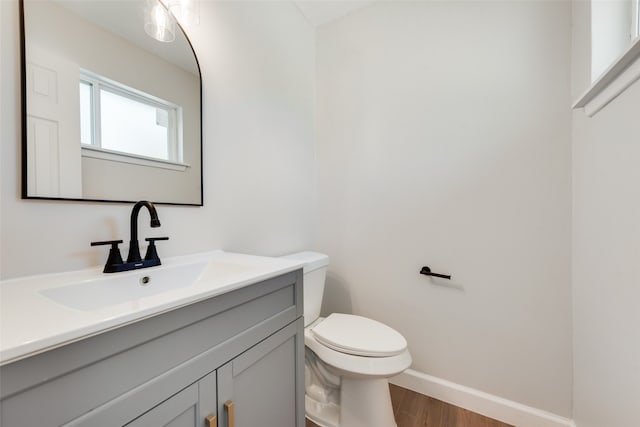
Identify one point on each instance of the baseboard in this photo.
(486, 404)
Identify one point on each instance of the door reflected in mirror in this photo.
(110, 114)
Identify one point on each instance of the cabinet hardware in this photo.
(228, 406)
(211, 420)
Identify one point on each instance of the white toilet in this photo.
(348, 359)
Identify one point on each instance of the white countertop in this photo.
(39, 313)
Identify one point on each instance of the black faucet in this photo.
(134, 249)
(115, 263)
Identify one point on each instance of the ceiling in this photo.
(319, 12)
(125, 19)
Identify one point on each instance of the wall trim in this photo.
(495, 407)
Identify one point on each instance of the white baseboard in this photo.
(486, 404)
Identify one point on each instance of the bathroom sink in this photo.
(93, 294)
(42, 312)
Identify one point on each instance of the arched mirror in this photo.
(109, 113)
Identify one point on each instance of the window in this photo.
(119, 120)
(612, 30)
(615, 52)
(635, 19)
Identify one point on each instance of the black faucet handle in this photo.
(152, 254)
(153, 239)
(114, 254)
(114, 243)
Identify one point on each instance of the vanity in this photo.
(213, 339)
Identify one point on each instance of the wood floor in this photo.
(412, 409)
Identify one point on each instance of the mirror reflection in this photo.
(112, 114)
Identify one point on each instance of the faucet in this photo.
(134, 249)
(114, 261)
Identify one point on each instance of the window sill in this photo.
(117, 156)
(615, 80)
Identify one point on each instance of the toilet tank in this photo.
(314, 274)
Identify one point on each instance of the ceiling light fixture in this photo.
(187, 12)
(158, 22)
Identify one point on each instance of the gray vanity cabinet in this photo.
(256, 388)
(259, 386)
(187, 408)
(240, 352)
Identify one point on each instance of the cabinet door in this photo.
(189, 408)
(264, 386)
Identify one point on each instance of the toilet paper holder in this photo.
(427, 272)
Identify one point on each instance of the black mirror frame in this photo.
(23, 109)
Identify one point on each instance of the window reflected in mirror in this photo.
(121, 120)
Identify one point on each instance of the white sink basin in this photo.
(92, 294)
(41, 312)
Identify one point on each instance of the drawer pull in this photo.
(228, 406)
(211, 420)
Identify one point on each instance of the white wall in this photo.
(606, 254)
(258, 66)
(444, 140)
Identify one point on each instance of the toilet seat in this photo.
(353, 366)
(359, 336)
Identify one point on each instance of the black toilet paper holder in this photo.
(427, 272)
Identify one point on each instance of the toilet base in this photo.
(363, 403)
(322, 415)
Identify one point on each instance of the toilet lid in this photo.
(359, 336)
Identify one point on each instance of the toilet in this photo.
(348, 359)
